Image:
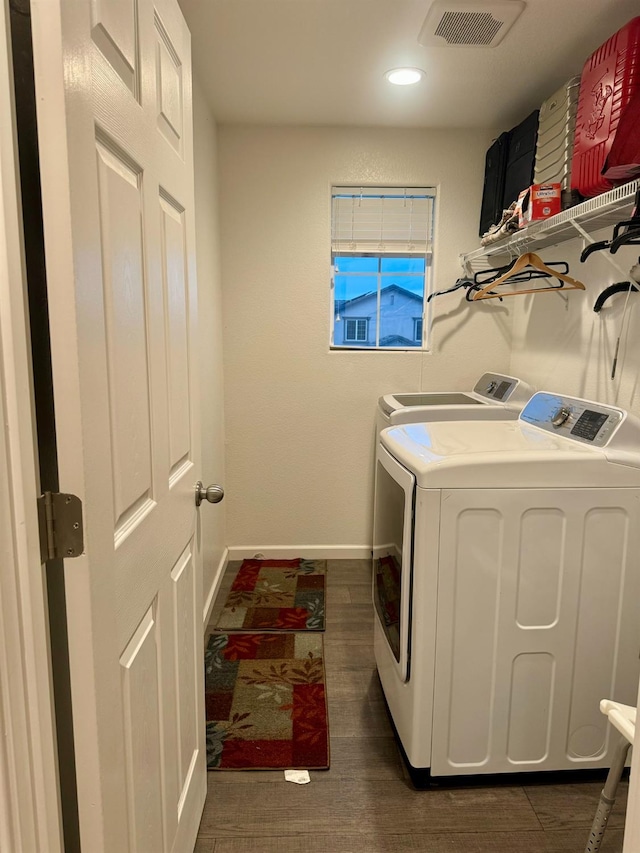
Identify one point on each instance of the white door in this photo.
(113, 85)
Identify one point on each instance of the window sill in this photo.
(334, 348)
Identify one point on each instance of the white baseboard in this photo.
(309, 552)
(213, 589)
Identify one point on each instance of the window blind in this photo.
(382, 220)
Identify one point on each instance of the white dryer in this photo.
(494, 397)
(507, 586)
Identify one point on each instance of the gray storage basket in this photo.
(554, 149)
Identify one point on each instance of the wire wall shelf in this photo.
(600, 212)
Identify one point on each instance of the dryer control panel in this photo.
(570, 417)
(495, 386)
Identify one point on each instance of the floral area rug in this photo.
(284, 595)
(265, 702)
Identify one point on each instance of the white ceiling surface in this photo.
(322, 62)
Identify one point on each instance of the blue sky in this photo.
(405, 272)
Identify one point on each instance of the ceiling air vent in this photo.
(470, 24)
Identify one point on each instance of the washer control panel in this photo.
(570, 417)
(494, 386)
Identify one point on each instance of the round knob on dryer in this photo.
(561, 417)
(491, 387)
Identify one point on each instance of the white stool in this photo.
(623, 718)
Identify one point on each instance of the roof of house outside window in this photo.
(396, 341)
(390, 288)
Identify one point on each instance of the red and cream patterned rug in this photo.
(276, 595)
(266, 702)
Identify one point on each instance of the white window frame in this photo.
(385, 248)
(380, 277)
(356, 320)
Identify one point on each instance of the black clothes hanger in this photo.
(608, 292)
(529, 259)
(594, 247)
(489, 276)
(625, 233)
(620, 287)
(468, 283)
(483, 278)
(461, 282)
(475, 289)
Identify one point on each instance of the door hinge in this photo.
(61, 531)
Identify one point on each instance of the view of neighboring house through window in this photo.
(356, 329)
(381, 259)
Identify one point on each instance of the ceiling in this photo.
(322, 62)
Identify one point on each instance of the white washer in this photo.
(494, 397)
(511, 605)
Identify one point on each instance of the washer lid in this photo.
(417, 401)
(495, 389)
(502, 454)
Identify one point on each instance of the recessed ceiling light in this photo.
(404, 76)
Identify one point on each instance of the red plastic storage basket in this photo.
(610, 78)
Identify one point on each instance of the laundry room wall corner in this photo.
(209, 348)
(562, 345)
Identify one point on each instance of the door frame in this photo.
(30, 816)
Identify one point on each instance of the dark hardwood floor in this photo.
(365, 802)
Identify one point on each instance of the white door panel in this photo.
(176, 299)
(121, 273)
(141, 711)
(113, 29)
(169, 100)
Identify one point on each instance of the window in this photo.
(356, 329)
(381, 260)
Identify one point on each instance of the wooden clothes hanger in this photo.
(529, 259)
(492, 274)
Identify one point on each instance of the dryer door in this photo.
(393, 553)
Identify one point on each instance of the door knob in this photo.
(213, 494)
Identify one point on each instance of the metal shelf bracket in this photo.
(588, 241)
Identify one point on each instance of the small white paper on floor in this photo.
(300, 777)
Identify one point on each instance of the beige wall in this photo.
(209, 350)
(566, 347)
(300, 419)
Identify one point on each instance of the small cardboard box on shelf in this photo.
(539, 201)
